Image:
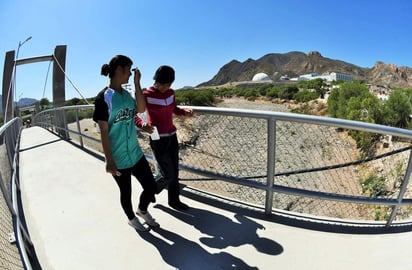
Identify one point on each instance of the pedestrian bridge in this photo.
(266, 190)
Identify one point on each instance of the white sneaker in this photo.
(135, 223)
(147, 218)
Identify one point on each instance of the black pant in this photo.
(166, 152)
(141, 170)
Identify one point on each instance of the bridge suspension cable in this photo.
(47, 76)
(67, 77)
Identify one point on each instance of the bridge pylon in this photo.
(59, 88)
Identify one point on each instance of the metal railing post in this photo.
(271, 152)
(401, 191)
(55, 122)
(66, 133)
(78, 127)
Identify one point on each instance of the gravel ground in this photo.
(298, 147)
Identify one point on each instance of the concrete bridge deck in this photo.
(75, 221)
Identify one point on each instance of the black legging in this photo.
(141, 170)
(166, 151)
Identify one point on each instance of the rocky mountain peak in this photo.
(293, 64)
(314, 53)
(391, 74)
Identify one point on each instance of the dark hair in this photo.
(118, 60)
(164, 74)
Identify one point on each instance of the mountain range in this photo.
(22, 102)
(293, 64)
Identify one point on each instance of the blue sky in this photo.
(195, 37)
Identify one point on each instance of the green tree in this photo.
(320, 86)
(273, 92)
(251, 93)
(195, 97)
(75, 101)
(354, 102)
(288, 92)
(305, 96)
(339, 98)
(333, 103)
(44, 102)
(365, 107)
(338, 82)
(397, 109)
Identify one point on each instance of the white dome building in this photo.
(260, 77)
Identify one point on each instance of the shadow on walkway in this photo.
(221, 232)
(321, 224)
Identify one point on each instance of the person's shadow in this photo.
(224, 232)
(184, 254)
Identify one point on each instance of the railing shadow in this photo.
(40, 145)
(294, 219)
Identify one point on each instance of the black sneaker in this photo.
(179, 206)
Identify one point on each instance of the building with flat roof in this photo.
(333, 76)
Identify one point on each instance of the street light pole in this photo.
(15, 69)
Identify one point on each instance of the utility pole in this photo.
(15, 69)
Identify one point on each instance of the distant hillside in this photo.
(294, 64)
(22, 102)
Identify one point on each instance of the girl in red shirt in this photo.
(160, 106)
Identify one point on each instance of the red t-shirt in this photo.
(160, 109)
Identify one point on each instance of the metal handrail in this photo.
(10, 132)
(272, 118)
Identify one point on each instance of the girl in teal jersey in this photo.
(114, 112)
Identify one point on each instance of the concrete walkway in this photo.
(75, 221)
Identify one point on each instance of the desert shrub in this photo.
(305, 96)
(374, 186)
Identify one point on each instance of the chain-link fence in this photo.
(9, 252)
(316, 166)
(290, 162)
